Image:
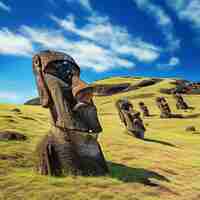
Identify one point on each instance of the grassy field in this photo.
(169, 157)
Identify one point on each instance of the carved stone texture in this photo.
(130, 118)
(71, 147)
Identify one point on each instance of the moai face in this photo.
(58, 64)
(142, 105)
(158, 101)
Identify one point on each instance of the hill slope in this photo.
(169, 156)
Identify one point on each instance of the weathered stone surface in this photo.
(71, 147)
(130, 118)
(10, 135)
(180, 102)
(144, 109)
(165, 110)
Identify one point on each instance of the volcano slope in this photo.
(164, 166)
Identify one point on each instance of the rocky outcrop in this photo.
(182, 87)
(35, 101)
(111, 89)
(190, 129)
(16, 110)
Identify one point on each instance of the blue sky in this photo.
(157, 38)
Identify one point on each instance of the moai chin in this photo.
(71, 147)
(130, 118)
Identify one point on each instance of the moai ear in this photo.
(42, 88)
(37, 66)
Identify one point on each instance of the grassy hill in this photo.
(169, 156)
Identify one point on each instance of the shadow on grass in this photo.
(151, 140)
(159, 142)
(191, 108)
(152, 115)
(135, 175)
(28, 118)
(193, 116)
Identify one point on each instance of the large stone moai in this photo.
(180, 103)
(164, 107)
(71, 147)
(130, 118)
(144, 109)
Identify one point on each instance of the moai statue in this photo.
(144, 109)
(180, 103)
(130, 118)
(164, 107)
(71, 147)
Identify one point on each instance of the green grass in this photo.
(169, 157)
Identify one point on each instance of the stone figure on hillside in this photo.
(130, 118)
(144, 109)
(164, 107)
(71, 147)
(180, 103)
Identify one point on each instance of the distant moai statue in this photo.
(144, 109)
(180, 103)
(164, 107)
(71, 147)
(130, 118)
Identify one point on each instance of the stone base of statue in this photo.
(164, 115)
(182, 106)
(78, 153)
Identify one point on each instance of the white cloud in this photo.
(51, 39)
(173, 62)
(17, 97)
(187, 10)
(84, 3)
(144, 52)
(90, 55)
(14, 44)
(87, 53)
(5, 7)
(12, 96)
(98, 29)
(162, 19)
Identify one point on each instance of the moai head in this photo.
(61, 65)
(144, 109)
(163, 100)
(158, 101)
(176, 95)
(141, 104)
(126, 105)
